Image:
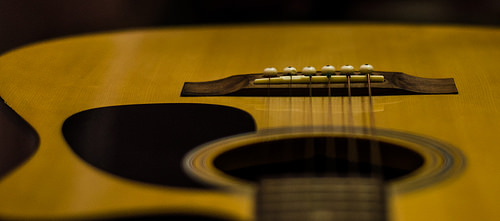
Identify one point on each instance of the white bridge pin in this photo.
(328, 70)
(270, 72)
(347, 69)
(309, 70)
(290, 71)
(366, 69)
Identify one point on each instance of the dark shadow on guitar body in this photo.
(148, 142)
(18, 140)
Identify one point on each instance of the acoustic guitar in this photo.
(192, 123)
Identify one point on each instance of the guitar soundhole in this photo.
(407, 161)
(317, 156)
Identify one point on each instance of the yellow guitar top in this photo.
(46, 83)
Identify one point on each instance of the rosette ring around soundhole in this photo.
(408, 161)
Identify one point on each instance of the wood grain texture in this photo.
(48, 82)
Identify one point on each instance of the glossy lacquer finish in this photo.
(52, 82)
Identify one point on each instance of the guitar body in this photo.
(48, 82)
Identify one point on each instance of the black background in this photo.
(26, 21)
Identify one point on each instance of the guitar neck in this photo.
(321, 198)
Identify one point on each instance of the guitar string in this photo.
(311, 145)
(330, 149)
(352, 144)
(352, 148)
(308, 165)
(268, 109)
(375, 152)
(291, 71)
(290, 115)
(268, 101)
